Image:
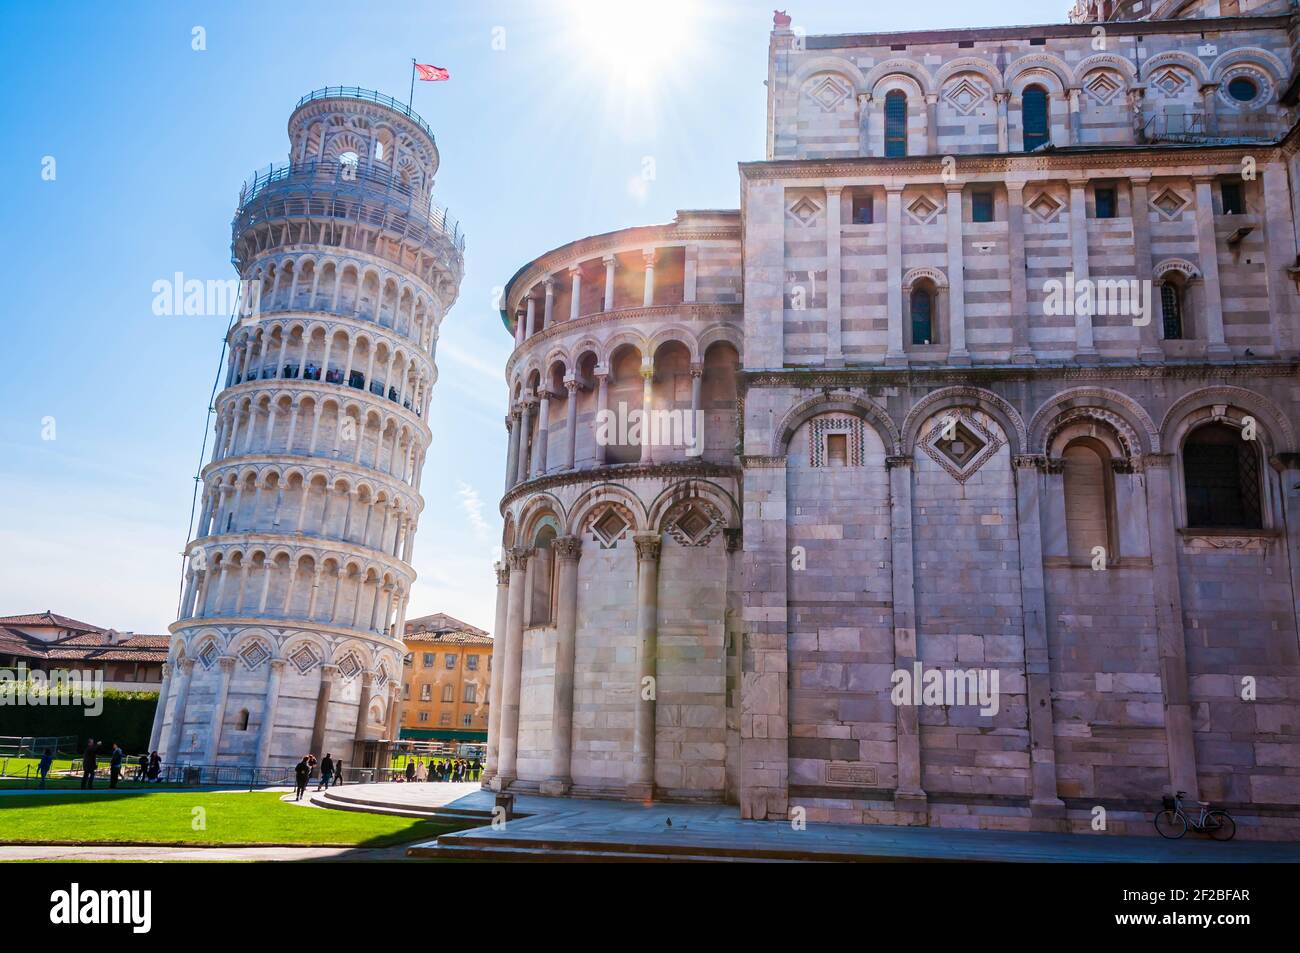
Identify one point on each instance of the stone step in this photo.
(505, 853)
(342, 802)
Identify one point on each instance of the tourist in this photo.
(301, 774)
(421, 772)
(88, 765)
(115, 765)
(338, 771)
(326, 772)
(142, 767)
(155, 767)
(410, 770)
(475, 769)
(43, 768)
(311, 764)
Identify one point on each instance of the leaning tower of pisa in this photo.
(288, 639)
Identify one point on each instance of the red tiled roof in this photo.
(445, 629)
(49, 618)
(90, 647)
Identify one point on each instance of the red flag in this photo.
(431, 74)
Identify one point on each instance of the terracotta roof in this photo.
(49, 618)
(439, 623)
(477, 637)
(89, 647)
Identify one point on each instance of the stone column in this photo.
(931, 124)
(160, 711)
(568, 549)
(910, 795)
(1148, 334)
(1084, 351)
(543, 433)
(1004, 138)
(1021, 353)
(1208, 256)
(530, 319)
(696, 430)
(864, 124)
(1038, 666)
(1208, 106)
(1076, 118)
(494, 678)
(649, 298)
(610, 263)
(508, 726)
(520, 330)
(642, 781)
(363, 706)
(1170, 637)
(548, 302)
(266, 732)
(894, 272)
(570, 422)
(525, 425)
(575, 299)
(690, 273)
(1279, 254)
(394, 728)
(225, 665)
(512, 452)
(957, 353)
(834, 322)
(172, 751)
(647, 406)
(327, 673)
(602, 407)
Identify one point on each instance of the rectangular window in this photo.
(424, 716)
(426, 693)
(470, 695)
(467, 720)
(406, 692)
(895, 124)
(863, 208)
(837, 449)
(1105, 199)
(451, 661)
(981, 207)
(1234, 202)
(449, 692)
(471, 662)
(428, 660)
(445, 718)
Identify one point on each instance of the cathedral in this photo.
(953, 478)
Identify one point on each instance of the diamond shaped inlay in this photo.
(303, 658)
(830, 93)
(208, 656)
(1169, 204)
(1103, 87)
(693, 523)
(965, 96)
(805, 210)
(1170, 81)
(350, 667)
(609, 527)
(923, 210)
(960, 444)
(1045, 207)
(254, 654)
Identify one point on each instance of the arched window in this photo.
(1034, 118)
(896, 124)
(539, 608)
(241, 723)
(1171, 308)
(1221, 475)
(922, 315)
(1087, 499)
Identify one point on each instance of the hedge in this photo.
(127, 718)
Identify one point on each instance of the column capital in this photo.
(1140, 178)
(1030, 461)
(328, 671)
(517, 557)
(733, 539)
(567, 548)
(1078, 182)
(897, 460)
(1157, 461)
(167, 669)
(648, 546)
(833, 189)
(503, 573)
(610, 261)
(226, 663)
(648, 254)
(697, 370)
(549, 284)
(574, 271)
(894, 188)
(186, 665)
(571, 384)
(864, 99)
(1204, 179)
(1208, 89)
(278, 664)
(648, 371)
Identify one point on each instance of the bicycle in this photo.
(1172, 822)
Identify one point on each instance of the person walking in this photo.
(88, 765)
(301, 774)
(422, 772)
(142, 767)
(43, 768)
(410, 770)
(155, 767)
(115, 765)
(338, 771)
(326, 772)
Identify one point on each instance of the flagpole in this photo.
(411, 101)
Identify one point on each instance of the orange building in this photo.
(445, 680)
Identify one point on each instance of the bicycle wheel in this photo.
(1171, 824)
(1220, 825)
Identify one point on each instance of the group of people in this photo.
(331, 771)
(147, 766)
(457, 769)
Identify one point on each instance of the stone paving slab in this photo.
(611, 827)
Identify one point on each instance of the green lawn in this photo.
(166, 817)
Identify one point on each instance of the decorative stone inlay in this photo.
(254, 654)
(1045, 207)
(830, 93)
(381, 676)
(805, 210)
(304, 659)
(821, 426)
(923, 209)
(350, 667)
(852, 773)
(695, 523)
(1196, 541)
(609, 527)
(1169, 204)
(1102, 87)
(966, 96)
(1170, 81)
(208, 656)
(962, 449)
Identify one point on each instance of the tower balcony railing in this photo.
(360, 180)
(311, 372)
(369, 96)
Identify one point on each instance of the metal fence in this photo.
(33, 746)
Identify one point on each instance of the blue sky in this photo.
(544, 130)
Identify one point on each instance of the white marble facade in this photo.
(909, 456)
(297, 579)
